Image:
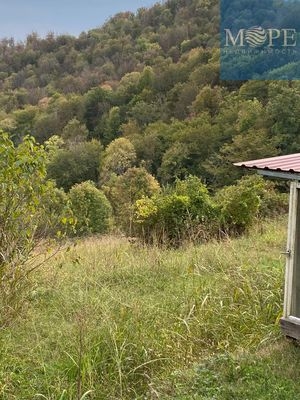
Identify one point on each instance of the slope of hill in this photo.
(153, 78)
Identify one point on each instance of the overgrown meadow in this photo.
(108, 319)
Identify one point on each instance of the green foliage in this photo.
(255, 376)
(208, 100)
(175, 163)
(96, 105)
(23, 189)
(150, 79)
(75, 164)
(146, 86)
(57, 219)
(111, 124)
(245, 136)
(131, 319)
(201, 205)
(240, 204)
(117, 158)
(166, 216)
(191, 143)
(150, 145)
(124, 190)
(283, 110)
(52, 145)
(187, 213)
(74, 131)
(90, 208)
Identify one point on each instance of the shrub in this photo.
(90, 208)
(172, 217)
(201, 207)
(57, 217)
(23, 187)
(242, 203)
(273, 202)
(184, 213)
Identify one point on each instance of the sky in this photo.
(21, 17)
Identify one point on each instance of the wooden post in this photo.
(290, 323)
(289, 268)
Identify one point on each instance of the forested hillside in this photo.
(152, 78)
(138, 103)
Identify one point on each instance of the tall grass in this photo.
(113, 320)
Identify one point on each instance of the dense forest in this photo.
(139, 103)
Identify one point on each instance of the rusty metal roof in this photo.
(285, 167)
(289, 163)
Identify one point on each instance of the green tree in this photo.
(78, 163)
(176, 163)
(150, 145)
(124, 190)
(96, 105)
(75, 132)
(208, 100)
(254, 144)
(117, 158)
(113, 122)
(128, 87)
(283, 111)
(90, 208)
(193, 142)
(57, 218)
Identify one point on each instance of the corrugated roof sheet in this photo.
(289, 163)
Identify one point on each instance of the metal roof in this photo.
(287, 167)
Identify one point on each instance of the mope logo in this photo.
(257, 36)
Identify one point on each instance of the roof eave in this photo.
(295, 176)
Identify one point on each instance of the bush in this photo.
(250, 198)
(23, 187)
(90, 208)
(201, 207)
(57, 217)
(172, 217)
(187, 212)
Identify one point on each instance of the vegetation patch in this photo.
(126, 321)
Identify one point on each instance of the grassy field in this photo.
(113, 320)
